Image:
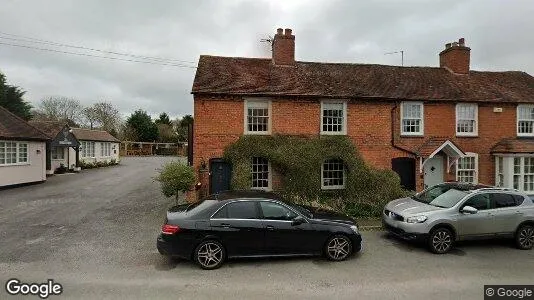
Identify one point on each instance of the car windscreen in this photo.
(448, 199)
(302, 210)
(432, 193)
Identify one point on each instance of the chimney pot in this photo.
(456, 57)
(284, 48)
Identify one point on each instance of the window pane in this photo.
(258, 116)
(333, 173)
(480, 202)
(333, 114)
(260, 172)
(503, 200)
(242, 210)
(273, 211)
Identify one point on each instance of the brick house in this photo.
(429, 124)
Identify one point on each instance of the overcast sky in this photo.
(500, 34)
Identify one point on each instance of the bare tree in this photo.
(103, 115)
(59, 108)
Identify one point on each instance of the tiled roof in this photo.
(514, 145)
(431, 144)
(93, 135)
(50, 128)
(258, 76)
(14, 128)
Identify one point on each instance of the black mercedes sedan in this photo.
(254, 224)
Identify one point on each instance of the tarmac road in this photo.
(95, 234)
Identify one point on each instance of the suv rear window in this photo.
(501, 200)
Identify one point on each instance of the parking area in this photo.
(95, 234)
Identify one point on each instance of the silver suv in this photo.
(449, 212)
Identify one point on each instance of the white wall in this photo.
(68, 160)
(98, 157)
(33, 171)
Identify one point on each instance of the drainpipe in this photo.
(393, 132)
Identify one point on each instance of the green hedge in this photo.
(299, 159)
(91, 165)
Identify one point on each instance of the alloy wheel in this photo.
(526, 237)
(441, 241)
(209, 255)
(338, 248)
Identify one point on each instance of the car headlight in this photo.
(416, 219)
(354, 228)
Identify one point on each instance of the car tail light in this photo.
(169, 229)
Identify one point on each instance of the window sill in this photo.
(16, 165)
(262, 189)
(525, 135)
(257, 133)
(333, 133)
(468, 135)
(333, 187)
(58, 159)
(406, 135)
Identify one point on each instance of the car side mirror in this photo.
(297, 220)
(469, 210)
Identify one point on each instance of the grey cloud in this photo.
(499, 33)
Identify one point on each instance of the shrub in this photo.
(175, 177)
(61, 169)
(298, 161)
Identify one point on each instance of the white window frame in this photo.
(88, 149)
(499, 171)
(105, 149)
(325, 104)
(522, 174)
(459, 106)
(259, 103)
(422, 119)
(333, 187)
(17, 152)
(52, 152)
(475, 170)
(269, 176)
(518, 119)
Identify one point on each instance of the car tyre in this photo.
(338, 248)
(524, 237)
(441, 240)
(210, 255)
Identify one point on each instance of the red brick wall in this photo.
(456, 59)
(219, 122)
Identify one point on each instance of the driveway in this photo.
(95, 233)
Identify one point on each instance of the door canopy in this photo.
(433, 146)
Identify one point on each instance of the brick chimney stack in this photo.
(456, 57)
(284, 47)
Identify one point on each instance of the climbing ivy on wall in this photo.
(298, 161)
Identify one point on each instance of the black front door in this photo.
(405, 167)
(220, 175)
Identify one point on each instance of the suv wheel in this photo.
(441, 240)
(210, 255)
(338, 248)
(524, 238)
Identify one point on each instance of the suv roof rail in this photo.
(497, 189)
